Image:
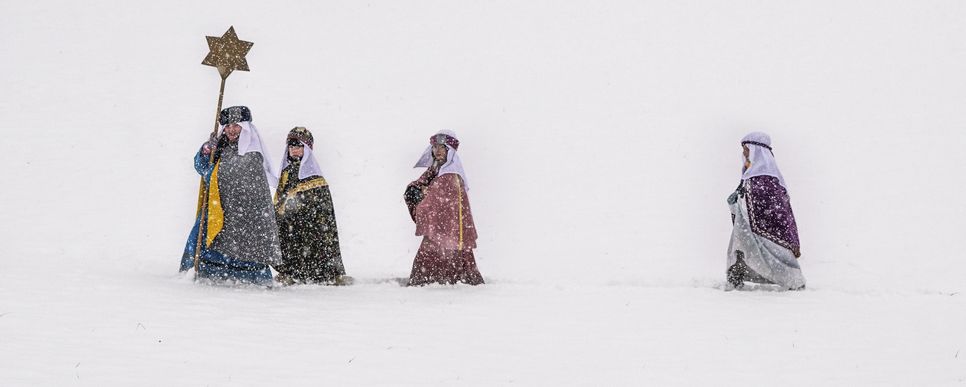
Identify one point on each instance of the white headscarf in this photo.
(762, 159)
(250, 141)
(452, 164)
(309, 166)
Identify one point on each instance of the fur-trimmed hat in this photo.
(234, 115)
(301, 134)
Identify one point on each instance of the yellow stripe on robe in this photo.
(216, 214)
(307, 185)
(300, 187)
(459, 192)
(278, 190)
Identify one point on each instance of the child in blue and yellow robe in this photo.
(239, 237)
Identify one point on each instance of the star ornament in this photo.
(227, 53)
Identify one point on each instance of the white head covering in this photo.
(250, 141)
(762, 159)
(309, 166)
(452, 164)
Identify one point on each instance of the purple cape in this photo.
(770, 211)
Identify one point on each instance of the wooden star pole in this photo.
(226, 53)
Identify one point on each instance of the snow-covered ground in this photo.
(141, 327)
(600, 140)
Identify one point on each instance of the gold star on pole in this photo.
(227, 53)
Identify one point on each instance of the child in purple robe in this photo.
(764, 244)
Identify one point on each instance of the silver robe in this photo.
(250, 232)
(771, 261)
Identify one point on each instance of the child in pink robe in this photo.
(441, 209)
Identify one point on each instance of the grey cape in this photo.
(250, 232)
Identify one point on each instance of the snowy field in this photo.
(600, 140)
